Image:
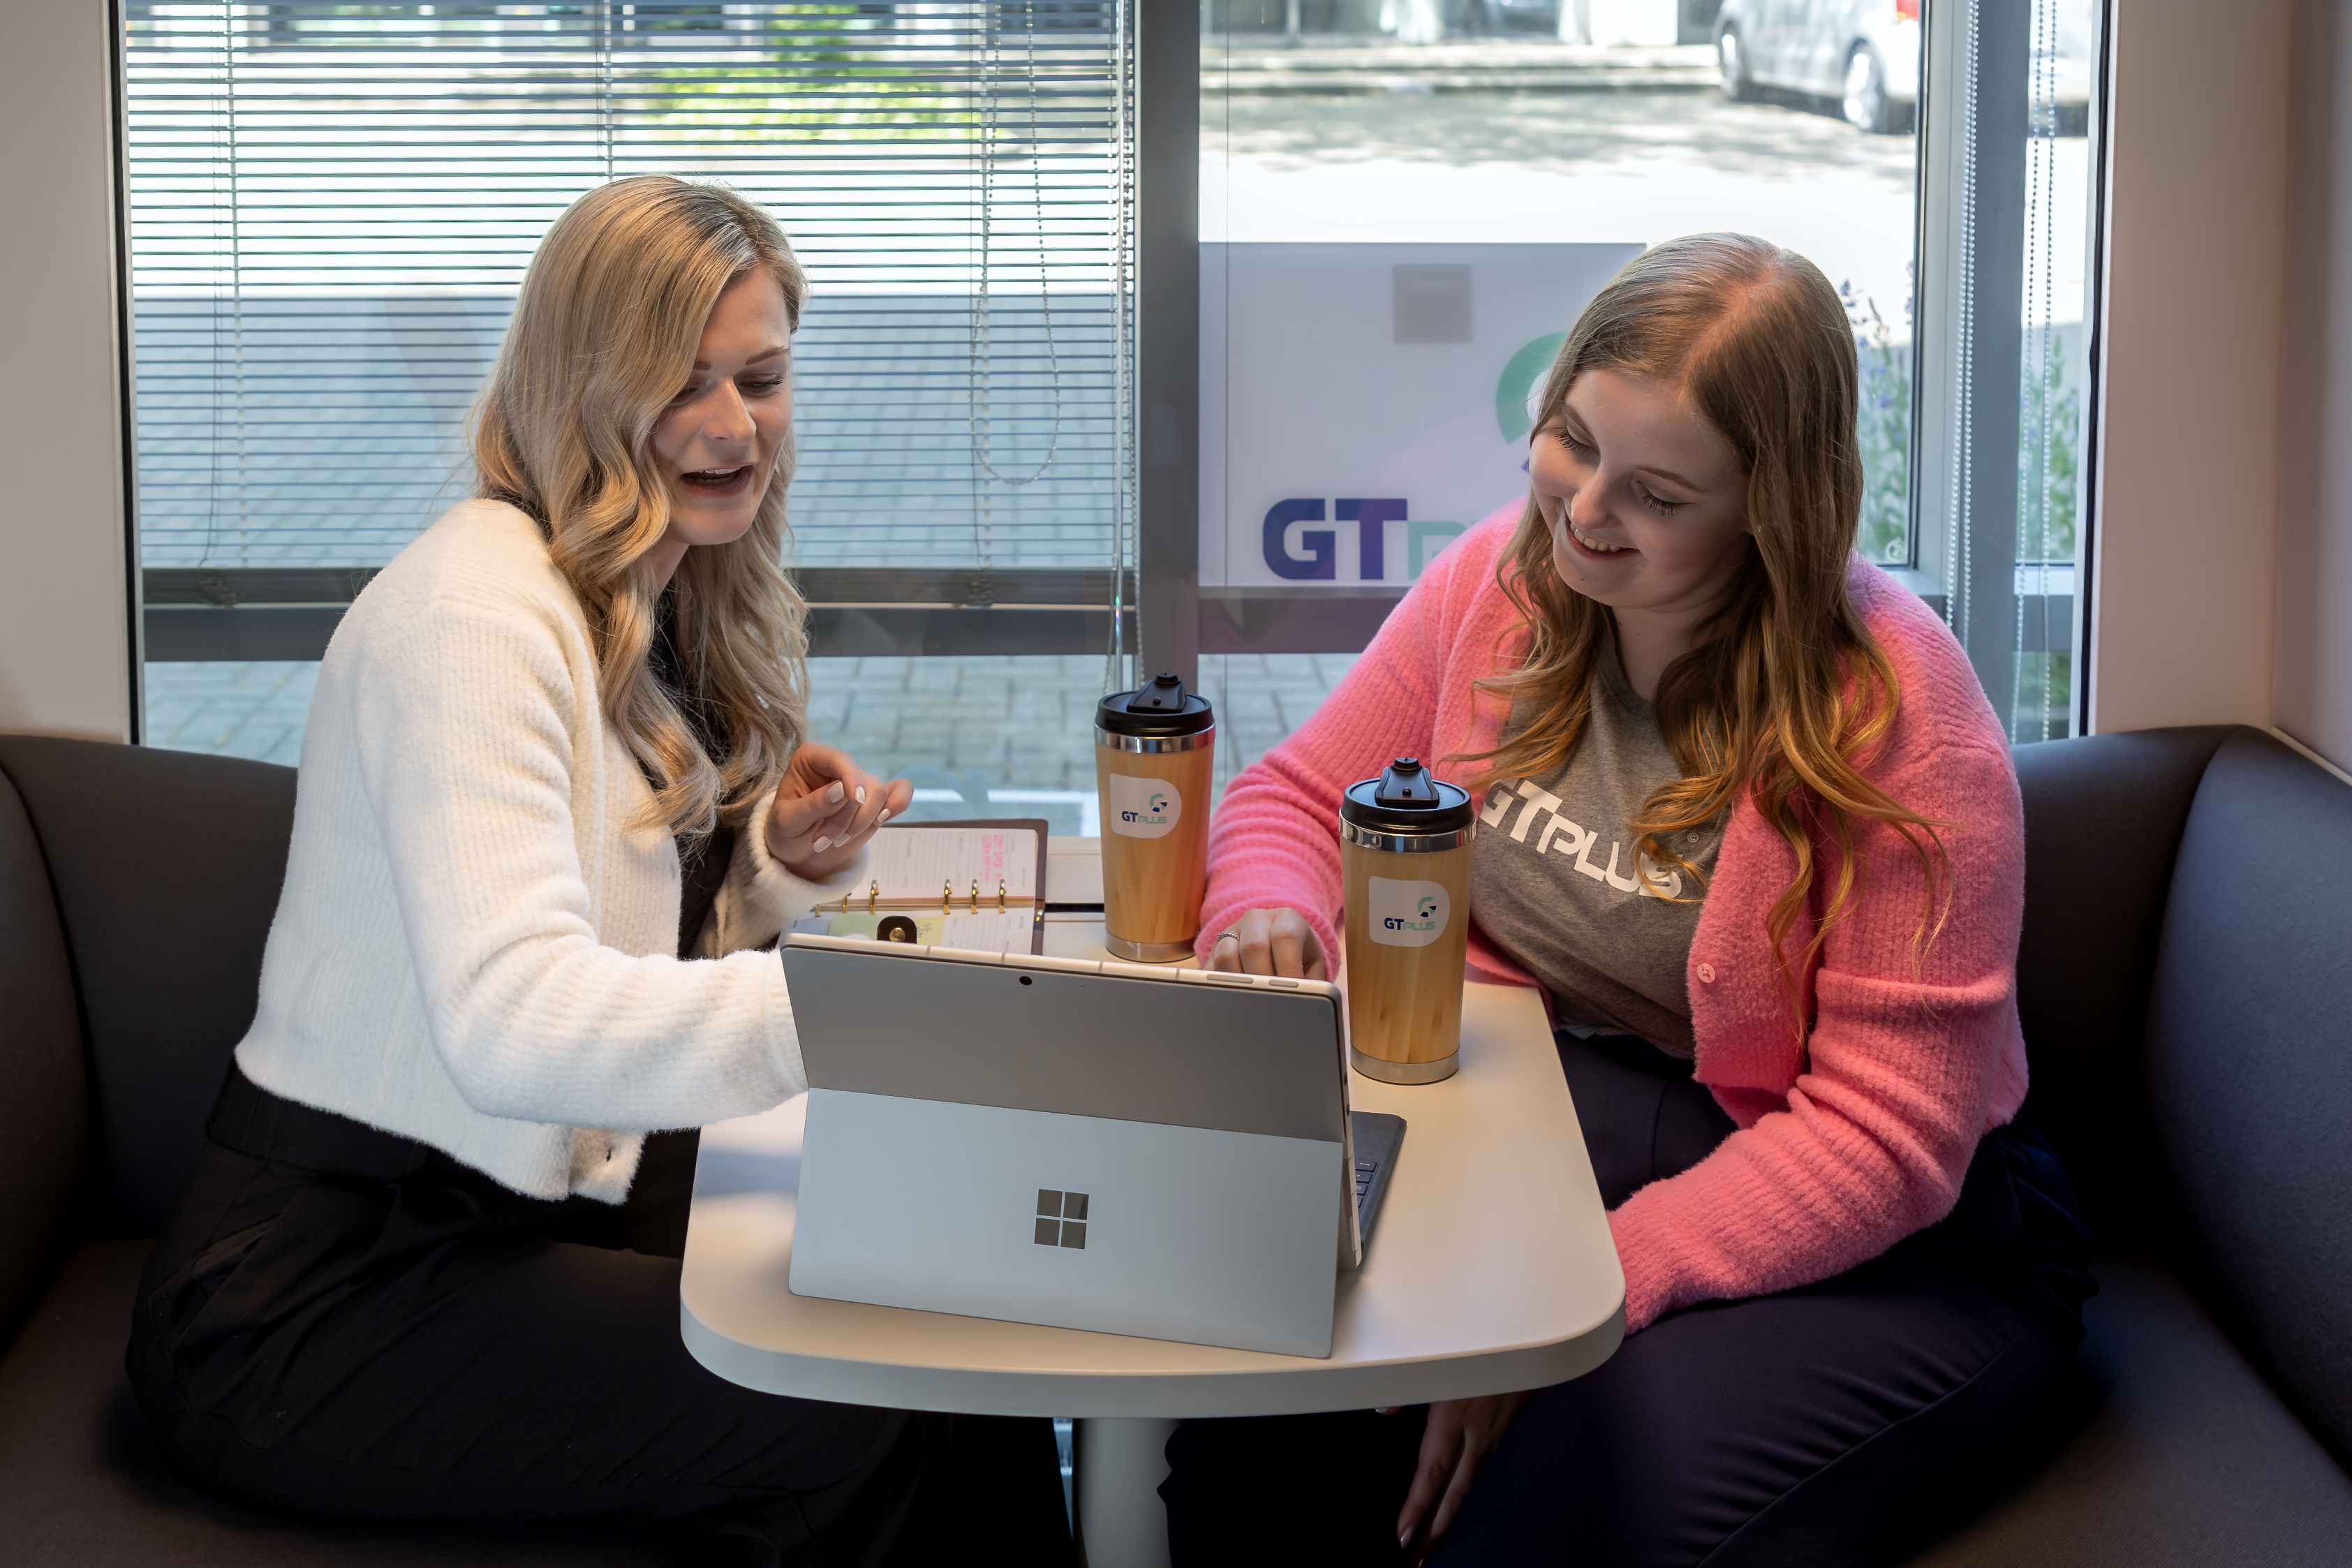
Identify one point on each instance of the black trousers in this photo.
(341, 1324)
(1828, 1425)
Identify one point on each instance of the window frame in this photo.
(1967, 339)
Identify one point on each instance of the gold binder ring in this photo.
(975, 902)
(946, 894)
(1000, 895)
(873, 893)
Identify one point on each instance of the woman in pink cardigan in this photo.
(1784, 990)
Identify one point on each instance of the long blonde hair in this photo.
(1786, 695)
(603, 334)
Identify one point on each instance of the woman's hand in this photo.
(826, 807)
(1460, 1434)
(1270, 941)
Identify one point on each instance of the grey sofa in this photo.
(2186, 981)
(136, 887)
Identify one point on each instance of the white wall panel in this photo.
(66, 651)
(2185, 558)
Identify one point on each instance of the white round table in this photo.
(1491, 1270)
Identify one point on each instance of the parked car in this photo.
(1864, 53)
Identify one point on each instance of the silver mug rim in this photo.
(1147, 744)
(1406, 843)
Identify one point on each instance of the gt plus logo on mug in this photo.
(1407, 914)
(1143, 808)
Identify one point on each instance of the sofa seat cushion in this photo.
(2186, 1457)
(81, 1481)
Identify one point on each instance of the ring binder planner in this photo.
(904, 859)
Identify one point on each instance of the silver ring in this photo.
(1223, 935)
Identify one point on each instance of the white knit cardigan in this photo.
(474, 948)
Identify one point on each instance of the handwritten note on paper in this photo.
(917, 862)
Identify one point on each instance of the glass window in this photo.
(331, 207)
(2004, 439)
(1404, 203)
(2054, 366)
(1401, 204)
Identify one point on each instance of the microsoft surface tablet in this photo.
(1110, 1146)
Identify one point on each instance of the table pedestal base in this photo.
(1121, 1463)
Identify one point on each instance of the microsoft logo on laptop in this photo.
(1061, 1218)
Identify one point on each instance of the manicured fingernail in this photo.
(861, 794)
(881, 819)
(823, 845)
(833, 796)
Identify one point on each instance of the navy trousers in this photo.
(1836, 1424)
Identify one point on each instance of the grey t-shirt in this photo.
(1553, 880)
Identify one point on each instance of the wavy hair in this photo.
(1786, 695)
(603, 334)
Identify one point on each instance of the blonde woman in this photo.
(1851, 1275)
(555, 793)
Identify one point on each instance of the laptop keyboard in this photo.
(1376, 1139)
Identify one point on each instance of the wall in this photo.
(2185, 561)
(65, 654)
(2314, 690)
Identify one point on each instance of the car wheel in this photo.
(1866, 105)
(1731, 59)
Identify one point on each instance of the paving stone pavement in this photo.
(994, 724)
(254, 711)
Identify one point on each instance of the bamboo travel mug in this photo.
(1405, 849)
(1154, 748)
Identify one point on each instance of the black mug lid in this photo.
(1406, 798)
(1161, 708)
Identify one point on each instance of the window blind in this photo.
(332, 206)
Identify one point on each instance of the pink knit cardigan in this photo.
(1852, 1133)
